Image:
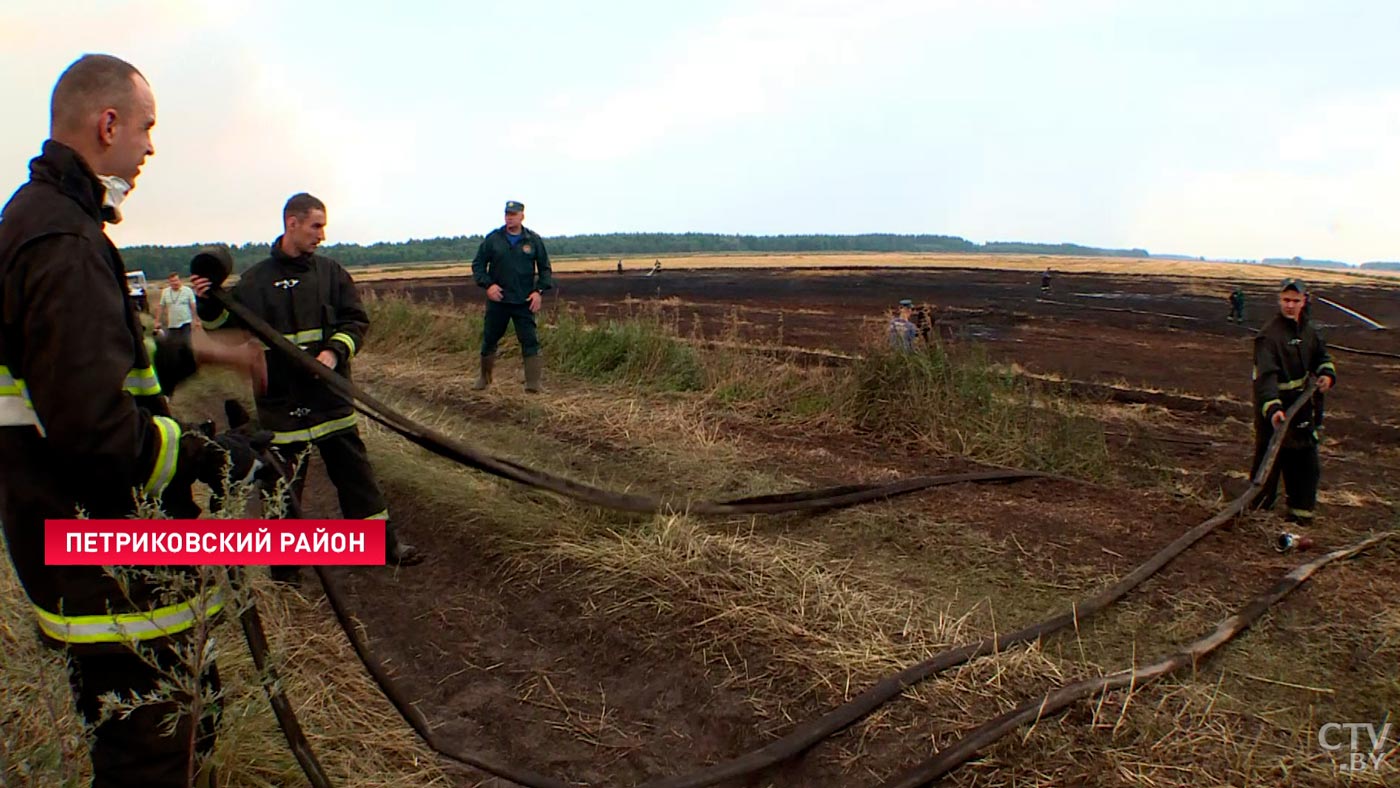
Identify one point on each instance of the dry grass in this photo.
(789, 597)
(357, 735)
(952, 404)
(795, 621)
(795, 613)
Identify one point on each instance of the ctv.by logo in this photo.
(1333, 737)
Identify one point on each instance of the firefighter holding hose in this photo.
(313, 302)
(1286, 352)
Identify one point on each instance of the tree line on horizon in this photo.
(160, 260)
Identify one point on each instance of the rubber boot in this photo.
(488, 368)
(534, 370)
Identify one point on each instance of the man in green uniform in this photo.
(1286, 352)
(513, 267)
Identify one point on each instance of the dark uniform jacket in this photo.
(83, 423)
(519, 270)
(312, 301)
(1285, 353)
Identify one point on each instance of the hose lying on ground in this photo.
(808, 734)
(950, 758)
(256, 638)
(1368, 321)
(804, 736)
(410, 713)
(1360, 352)
(813, 732)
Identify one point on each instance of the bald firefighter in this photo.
(85, 426)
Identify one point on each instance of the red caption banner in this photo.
(214, 542)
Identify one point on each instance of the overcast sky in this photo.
(1232, 129)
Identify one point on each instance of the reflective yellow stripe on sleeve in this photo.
(1293, 385)
(128, 627)
(304, 337)
(346, 340)
(1270, 404)
(315, 432)
(1328, 367)
(16, 409)
(142, 382)
(216, 322)
(166, 458)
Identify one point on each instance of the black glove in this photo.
(232, 457)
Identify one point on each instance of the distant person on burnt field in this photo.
(513, 266)
(1287, 352)
(1237, 306)
(1045, 281)
(902, 331)
(924, 317)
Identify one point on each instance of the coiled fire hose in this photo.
(805, 735)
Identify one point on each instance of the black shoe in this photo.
(404, 554)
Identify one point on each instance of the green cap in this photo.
(1293, 284)
(514, 207)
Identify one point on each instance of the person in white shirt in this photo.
(177, 308)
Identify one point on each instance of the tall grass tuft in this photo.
(957, 404)
(642, 350)
(966, 405)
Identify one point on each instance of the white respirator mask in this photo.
(117, 189)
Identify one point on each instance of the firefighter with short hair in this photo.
(85, 427)
(1287, 351)
(312, 301)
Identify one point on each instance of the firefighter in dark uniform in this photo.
(313, 302)
(84, 424)
(513, 266)
(1286, 352)
(1237, 305)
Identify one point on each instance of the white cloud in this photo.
(1327, 186)
(758, 62)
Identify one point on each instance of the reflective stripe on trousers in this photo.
(316, 432)
(128, 627)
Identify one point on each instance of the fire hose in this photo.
(805, 735)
